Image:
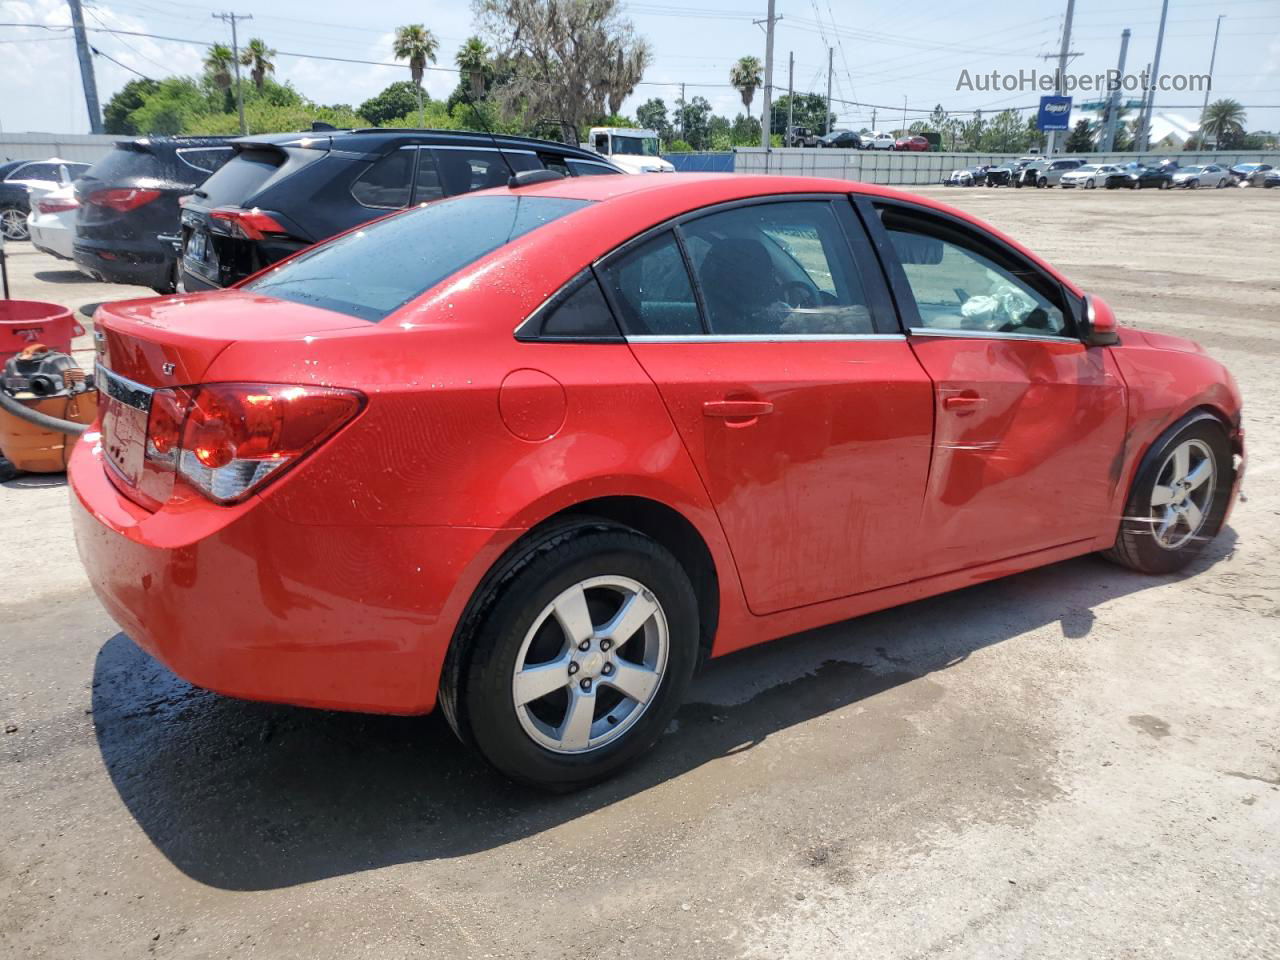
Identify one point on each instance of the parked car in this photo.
(1088, 176)
(878, 141)
(1135, 176)
(1250, 174)
(842, 139)
(283, 192)
(1206, 175)
(52, 221)
(999, 177)
(17, 177)
(535, 474)
(127, 224)
(977, 176)
(1048, 173)
(802, 137)
(1272, 179)
(915, 143)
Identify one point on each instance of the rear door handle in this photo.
(963, 401)
(736, 409)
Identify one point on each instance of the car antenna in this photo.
(483, 123)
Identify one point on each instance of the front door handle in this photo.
(963, 401)
(736, 409)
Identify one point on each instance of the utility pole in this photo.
(682, 112)
(1113, 102)
(1145, 142)
(86, 68)
(1062, 70)
(1212, 57)
(767, 125)
(791, 98)
(904, 114)
(231, 18)
(826, 121)
(873, 119)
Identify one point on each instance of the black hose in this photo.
(23, 412)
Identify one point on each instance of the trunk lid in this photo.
(146, 345)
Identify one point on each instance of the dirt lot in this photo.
(1075, 762)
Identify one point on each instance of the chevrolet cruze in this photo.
(531, 454)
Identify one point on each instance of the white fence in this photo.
(84, 147)
(893, 168)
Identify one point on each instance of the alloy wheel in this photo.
(13, 223)
(1183, 494)
(591, 664)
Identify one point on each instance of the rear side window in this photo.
(387, 183)
(242, 176)
(585, 168)
(467, 169)
(650, 287)
(426, 185)
(125, 163)
(375, 270)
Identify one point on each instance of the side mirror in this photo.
(1100, 328)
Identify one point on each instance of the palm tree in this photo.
(418, 45)
(472, 58)
(1222, 120)
(745, 76)
(626, 67)
(257, 57)
(218, 63)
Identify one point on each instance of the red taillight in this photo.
(228, 439)
(250, 224)
(122, 199)
(56, 206)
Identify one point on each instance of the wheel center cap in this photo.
(593, 663)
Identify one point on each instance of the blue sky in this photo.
(884, 50)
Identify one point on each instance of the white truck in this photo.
(634, 150)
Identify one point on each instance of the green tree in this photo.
(397, 100)
(746, 131)
(257, 57)
(472, 59)
(1223, 123)
(810, 111)
(1081, 138)
(745, 76)
(571, 61)
(694, 121)
(652, 115)
(168, 110)
(115, 115)
(217, 65)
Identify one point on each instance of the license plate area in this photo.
(125, 406)
(200, 252)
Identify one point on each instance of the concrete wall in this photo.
(85, 147)
(891, 167)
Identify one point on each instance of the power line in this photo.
(99, 53)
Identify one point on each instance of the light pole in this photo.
(1209, 86)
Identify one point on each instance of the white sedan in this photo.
(1089, 176)
(52, 221)
(1209, 175)
(878, 141)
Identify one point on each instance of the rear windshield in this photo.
(126, 163)
(377, 269)
(242, 176)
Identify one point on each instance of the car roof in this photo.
(370, 139)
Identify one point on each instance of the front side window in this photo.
(585, 168)
(387, 183)
(467, 169)
(964, 283)
(377, 269)
(777, 269)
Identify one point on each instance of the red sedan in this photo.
(533, 453)
(917, 144)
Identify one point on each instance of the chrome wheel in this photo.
(1183, 494)
(13, 223)
(591, 664)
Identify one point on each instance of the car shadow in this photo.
(71, 276)
(250, 796)
(35, 481)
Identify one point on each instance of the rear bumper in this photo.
(140, 267)
(51, 237)
(243, 602)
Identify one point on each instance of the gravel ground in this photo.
(1074, 762)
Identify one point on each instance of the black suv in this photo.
(283, 192)
(127, 224)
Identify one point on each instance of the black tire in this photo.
(1042, 183)
(1193, 185)
(1136, 546)
(1164, 184)
(476, 688)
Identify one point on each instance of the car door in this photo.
(774, 346)
(1030, 421)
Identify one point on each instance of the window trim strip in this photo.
(991, 335)
(761, 337)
